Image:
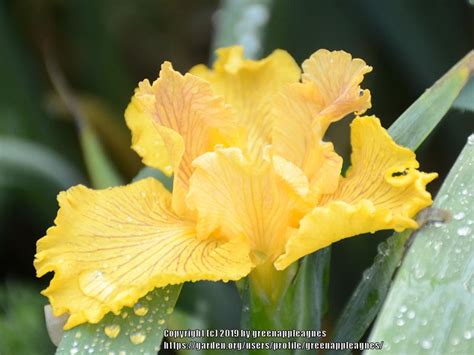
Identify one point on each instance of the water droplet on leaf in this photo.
(426, 344)
(137, 338)
(140, 310)
(464, 231)
(112, 331)
(400, 322)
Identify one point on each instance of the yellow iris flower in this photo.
(255, 186)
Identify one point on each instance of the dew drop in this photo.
(112, 331)
(124, 315)
(458, 216)
(398, 339)
(411, 315)
(418, 271)
(137, 338)
(426, 344)
(400, 322)
(403, 309)
(455, 341)
(78, 335)
(469, 284)
(161, 321)
(467, 334)
(470, 140)
(121, 352)
(169, 310)
(74, 351)
(140, 310)
(148, 297)
(167, 298)
(464, 231)
(168, 169)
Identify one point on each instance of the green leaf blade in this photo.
(102, 172)
(430, 307)
(409, 130)
(367, 298)
(465, 100)
(132, 331)
(416, 123)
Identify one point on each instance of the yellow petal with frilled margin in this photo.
(297, 136)
(173, 121)
(337, 78)
(383, 190)
(239, 198)
(249, 86)
(111, 247)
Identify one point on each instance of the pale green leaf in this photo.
(137, 330)
(430, 307)
(410, 130)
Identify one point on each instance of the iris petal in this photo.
(337, 77)
(382, 190)
(239, 198)
(111, 247)
(249, 87)
(176, 119)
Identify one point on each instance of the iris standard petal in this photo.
(337, 77)
(111, 247)
(176, 119)
(249, 87)
(297, 136)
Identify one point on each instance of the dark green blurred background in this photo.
(104, 48)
